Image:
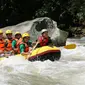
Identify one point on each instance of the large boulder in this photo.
(35, 26)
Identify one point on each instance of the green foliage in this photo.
(66, 12)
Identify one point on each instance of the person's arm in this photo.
(30, 43)
(14, 44)
(40, 41)
(22, 48)
(35, 45)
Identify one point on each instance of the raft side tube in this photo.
(47, 55)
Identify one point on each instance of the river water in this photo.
(69, 70)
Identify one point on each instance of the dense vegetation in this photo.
(66, 12)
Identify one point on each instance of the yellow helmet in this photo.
(25, 35)
(8, 32)
(17, 33)
(1, 31)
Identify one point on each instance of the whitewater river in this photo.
(69, 70)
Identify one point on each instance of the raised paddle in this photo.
(70, 46)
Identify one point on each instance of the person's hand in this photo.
(33, 44)
(28, 56)
(30, 49)
(15, 49)
(1, 52)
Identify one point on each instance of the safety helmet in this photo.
(17, 33)
(25, 35)
(8, 32)
(1, 31)
(44, 30)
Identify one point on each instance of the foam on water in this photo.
(69, 70)
(74, 54)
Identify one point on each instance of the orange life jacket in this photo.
(9, 45)
(2, 45)
(26, 47)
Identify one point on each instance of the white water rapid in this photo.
(69, 70)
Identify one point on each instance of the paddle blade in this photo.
(70, 46)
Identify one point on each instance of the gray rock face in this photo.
(35, 26)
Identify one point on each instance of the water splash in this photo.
(69, 70)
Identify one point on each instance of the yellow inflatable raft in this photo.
(44, 53)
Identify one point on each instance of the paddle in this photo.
(70, 46)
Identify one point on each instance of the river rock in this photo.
(35, 26)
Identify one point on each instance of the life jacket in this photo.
(9, 44)
(26, 46)
(18, 42)
(43, 41)
(2, 45)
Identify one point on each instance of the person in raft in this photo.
(44, 39)
(8, 42)
(15, 43)
(26, 44)
(2, 44)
